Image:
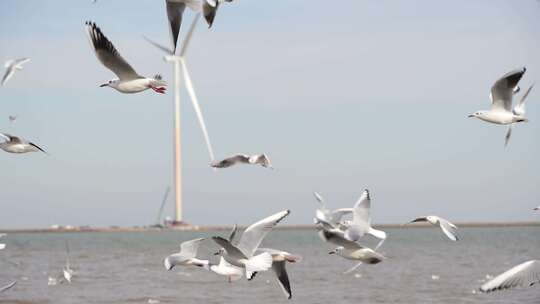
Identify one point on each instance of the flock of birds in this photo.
(243, 256)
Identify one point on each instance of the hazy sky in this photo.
(341, 96)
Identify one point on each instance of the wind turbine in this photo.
(179, 63)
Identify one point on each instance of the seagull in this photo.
(324, 215)
(2, 246)
(8, 286)
(501, 111)
(279, 258)
(12, 66)
(12, 118)
(350, 250)
(186, 256)
(242, 253)
(210, 8)
(258, 159)
(128, 80)
(361, 223)
(175, 10)
(67, 271)
(14, 144)
(524, 274)
(447, 227)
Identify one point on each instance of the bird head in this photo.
(112, 83)
(477, 114)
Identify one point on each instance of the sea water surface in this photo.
(127, 267)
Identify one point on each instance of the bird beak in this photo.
(332, 252)
(216, 253)
(471, 115)
(104, 85)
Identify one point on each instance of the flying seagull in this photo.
(210, 8)
(12, 118)
(67, 271)
(325, 215)
(524, 274)
(258, 159)
(501, 111)
(187, 256)
(14, 144)
(128, 80)
(279, 259)
(449, 229)
(361, 223)
(7, 287)
(242, 254)
(12, 66)
(175, 11)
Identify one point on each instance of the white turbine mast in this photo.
(179, 63)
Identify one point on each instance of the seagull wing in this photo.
(8, 286)
(318, 197)
(189, 248)
(448, 228)
(525, 274)
(209, 9)
(508, 135)
(175, 10)
(503, 90)
(519, 109)
(108, 55)
(231, 250)
(233, 233)
(339, 213)
(7, 75)
(282, 277)
(338, 239)
(21, 61)
(361, 210)
(254, 234)
(6, 136)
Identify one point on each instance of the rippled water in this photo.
(127, 268)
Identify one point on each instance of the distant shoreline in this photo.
(219, 228)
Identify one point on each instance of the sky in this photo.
(341, 96)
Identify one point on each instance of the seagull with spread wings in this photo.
(361, 223)
(501, 95)
(449, 229)
(12, 66)
(14, 144)
(242, 254)
(128, 80)
(257, 159)
(187, 256)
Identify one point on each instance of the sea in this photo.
(421, 266)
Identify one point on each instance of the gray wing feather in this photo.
(189, 248)
(503, 89)
(524, 274)
(254, 234)
(108, 55)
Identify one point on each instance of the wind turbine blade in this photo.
(189, 35)
(159, 46)
(163, 201)
(195, 102)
